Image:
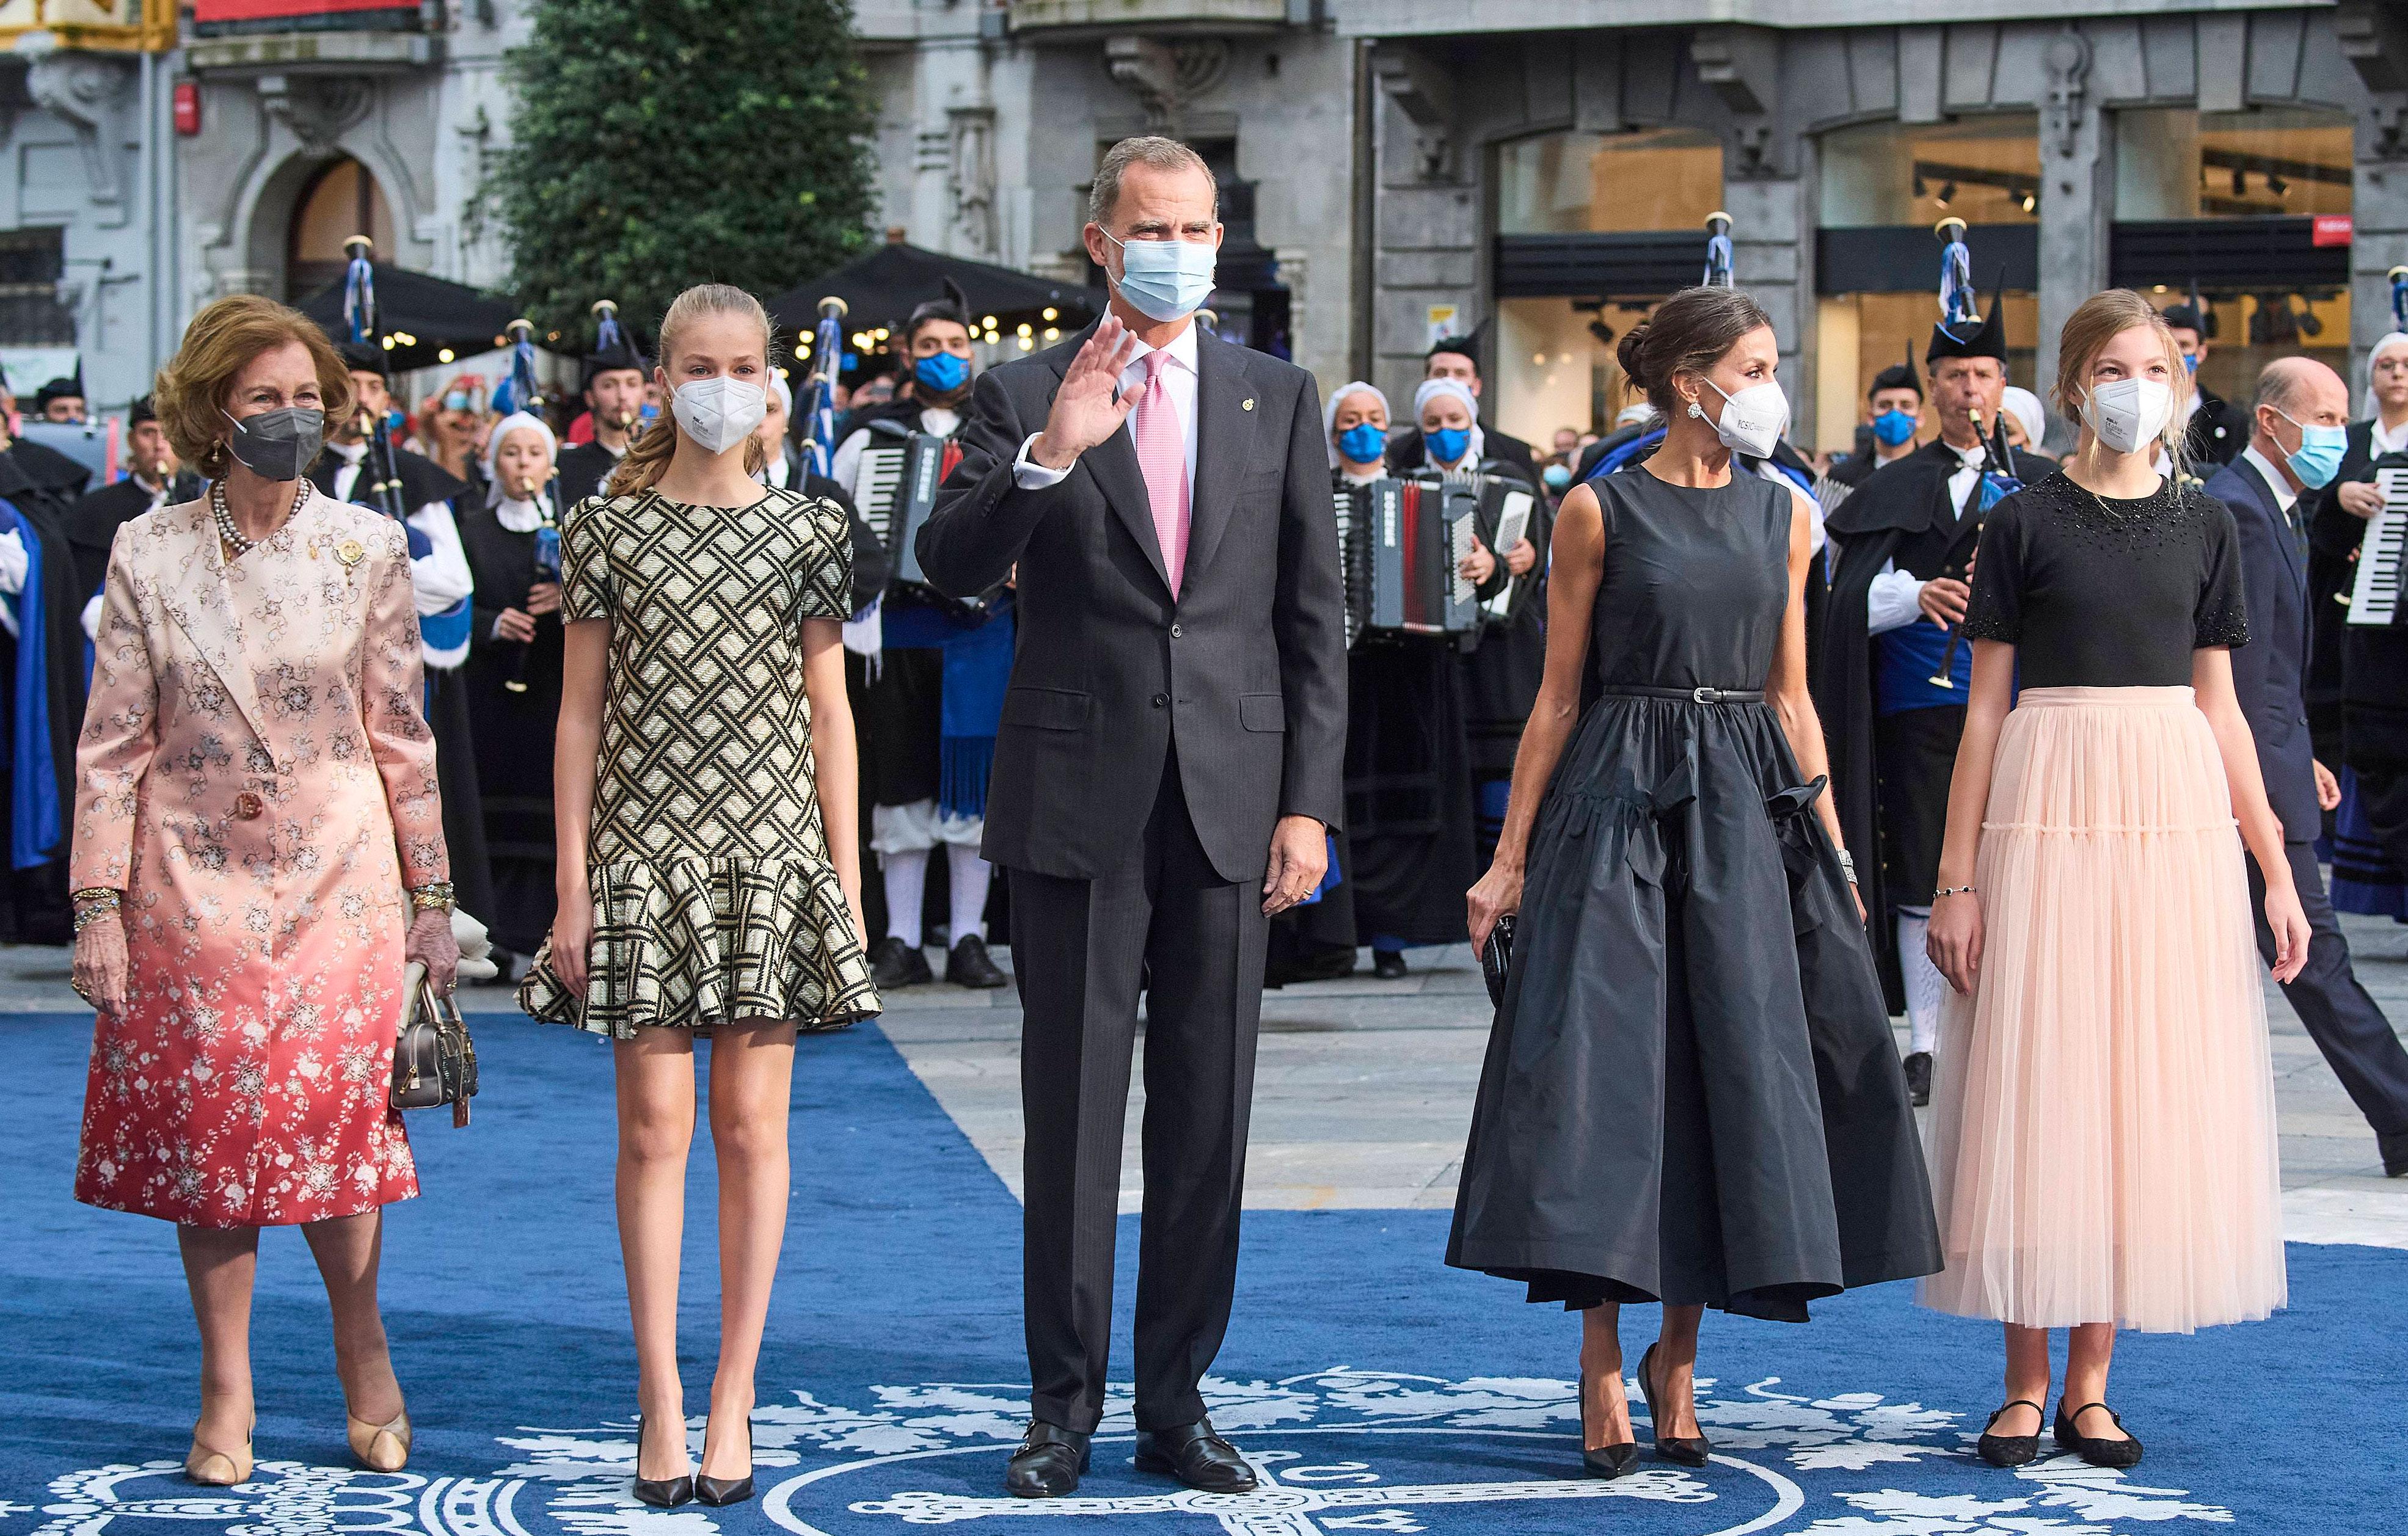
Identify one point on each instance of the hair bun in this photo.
(1628, 351)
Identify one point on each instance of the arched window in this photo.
(341, 200)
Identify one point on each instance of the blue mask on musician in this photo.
(2190, 362)
(942, 371)
(1448, 443)
(1557, 476)
(2317, 459)
(1362, 443)
(457, 400)
(1893, 427)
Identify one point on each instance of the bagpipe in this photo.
(1958, 306)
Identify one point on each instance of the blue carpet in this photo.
(1378, 1390)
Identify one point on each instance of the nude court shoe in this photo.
(380, 1447)
(216, 1469)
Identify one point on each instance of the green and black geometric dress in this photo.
(713, 896)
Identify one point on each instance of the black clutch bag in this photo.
(1497, 958)
(434, 1060)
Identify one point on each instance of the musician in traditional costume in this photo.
(1893, 417)
(935, 677)
(61, 400)
(41, 682)
(2371, 692)
(362, 464)
(1905, 539)
(1502, 669)
(1458, 357)
(2215, 430)
(615, 376)
(2295, 448)
(511, 537)
(153, 479)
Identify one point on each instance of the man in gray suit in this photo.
(2262, 487)
(1166, 778)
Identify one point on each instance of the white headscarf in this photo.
(522, 422)
(1338, 398)
(2389, 339)
(2025, 407)
(1432, 388)
(785, 393)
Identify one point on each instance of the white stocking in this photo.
(907, 887)
(1925, 986)
(971, 875)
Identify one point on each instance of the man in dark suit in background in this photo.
(1456, 357)
(1166, 776)
(2218, 429)
(2263, 486)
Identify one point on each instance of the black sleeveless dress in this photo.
(1691, 1093)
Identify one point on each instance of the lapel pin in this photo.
(1247, 404)
(350, 553)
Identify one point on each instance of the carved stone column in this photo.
(1166, 78)
(2078, 204)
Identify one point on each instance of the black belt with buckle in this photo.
(1695, 695)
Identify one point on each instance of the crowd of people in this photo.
(1741, 758)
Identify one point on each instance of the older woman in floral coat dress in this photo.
(256, 821)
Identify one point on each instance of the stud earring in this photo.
(1698, 410)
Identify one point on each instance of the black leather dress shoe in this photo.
(2394, 1144)
(1918, 1078)
(661, 1492)
(1048, 1464)
(1388, 965)
(1197, 1455)
(894, 962)
(970, 965)
(2099, 1453)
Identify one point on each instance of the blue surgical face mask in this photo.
(942, 371)
(1362, 443)
(1556, 475)
(648, 411)
(1893, 427)
(1166, 279)
(456, 400)
(1448, 443)
(2317, 459)
(2190, 364)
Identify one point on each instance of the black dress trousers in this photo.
(1080, 948)
(2346, 1022)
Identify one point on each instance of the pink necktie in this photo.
(1162, 458)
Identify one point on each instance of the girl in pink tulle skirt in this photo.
(2103, 1131)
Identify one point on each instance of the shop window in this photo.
(1984, 170)
(1656, 179)
(344, 200)
(2173, 163)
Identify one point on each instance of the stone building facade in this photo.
(1539, 170)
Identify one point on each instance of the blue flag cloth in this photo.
(33, 789)
(978, 671)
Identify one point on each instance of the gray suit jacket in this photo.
(1247, 667)
(2269, 673)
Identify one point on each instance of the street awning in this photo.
(883, 286)
(419, 317)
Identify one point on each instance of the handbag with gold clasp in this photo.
(434, 1060)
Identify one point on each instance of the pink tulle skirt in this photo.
(2102, 1117)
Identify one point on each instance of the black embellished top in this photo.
(2098, 593)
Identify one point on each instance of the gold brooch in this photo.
(350, 553)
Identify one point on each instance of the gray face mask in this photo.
(278, 444)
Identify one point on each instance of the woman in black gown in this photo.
(512, 542)
(1691, 1094)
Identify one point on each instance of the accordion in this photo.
(895, 490)
(1400, 542)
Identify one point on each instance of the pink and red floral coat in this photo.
(257, 775)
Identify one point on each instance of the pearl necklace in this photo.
(225, 515)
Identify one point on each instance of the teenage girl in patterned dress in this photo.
(709, 873)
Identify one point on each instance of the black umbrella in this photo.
(421, 317)
(883, 287)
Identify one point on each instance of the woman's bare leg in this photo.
(1675, 1365)
(751, 1091)
(2089, 1351)
(1605, 1407)
(219, 1266)
(347, 1249)
(2027, 1379)
(655, 1074)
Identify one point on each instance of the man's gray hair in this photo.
(1145, 150)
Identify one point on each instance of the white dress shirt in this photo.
(936, 420)
(1178, 384)
(2283, 495)
(2385, 439)
(1895, 598)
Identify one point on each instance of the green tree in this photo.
(660, 143)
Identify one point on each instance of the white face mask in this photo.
(2126, 413)
(719, 413)
(1752, 421)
